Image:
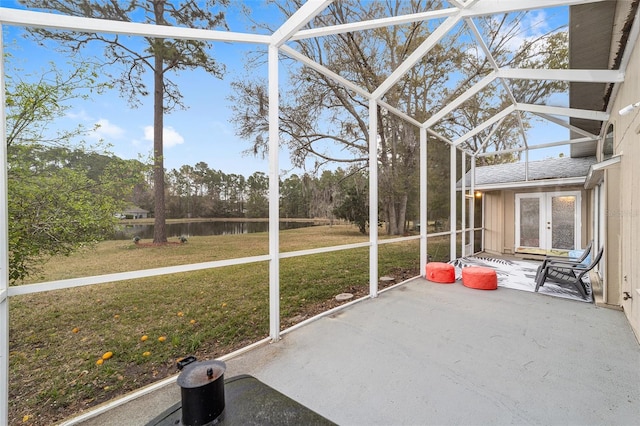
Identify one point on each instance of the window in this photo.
(607, 144)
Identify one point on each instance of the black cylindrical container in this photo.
(202, 392)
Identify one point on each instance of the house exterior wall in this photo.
(613, 240)
(493, 222)
(623, 200)
(500, 217)
(509, 231)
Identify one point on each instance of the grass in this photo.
(57, 337)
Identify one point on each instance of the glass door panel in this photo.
(548, 220)
(529, 222)
(563, 222)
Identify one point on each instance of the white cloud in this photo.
(169, 135)
(80, 115)
(525, 28)
(536, 23)
(105, 129)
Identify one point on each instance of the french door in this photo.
(549, 220)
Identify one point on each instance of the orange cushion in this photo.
(440, 272)
(479, 277)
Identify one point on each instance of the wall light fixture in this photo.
(626, 110)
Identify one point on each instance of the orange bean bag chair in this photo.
(440, 272)
(480, 278)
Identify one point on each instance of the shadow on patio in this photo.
(425, 353)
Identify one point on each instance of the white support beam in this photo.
(424, 190)
(489, 136)
(492, 7)
(18, 290)
(539, 146)
(415, 17)
(91, 25)
(399, 113)
(4, 253)
(373, 198)
(463, 205)
(452, 205)
(580, 76)
(416, 55)
(274, 196)
(567, 112)
(439, 136)
(544, 183)
(294, 54)
(468, 94)
(298, 20)
(472, 208)
(496, 118)
(567, 125)
(495, 67)
(374, 23)
(467, 151)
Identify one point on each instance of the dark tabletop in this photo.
(248, 401)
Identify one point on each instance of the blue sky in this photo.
(200, 133)
(203, 132)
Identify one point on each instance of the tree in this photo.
(548, 50)
(258, 195)
(295, 197)
(160, 56)
(354, 205)
(33, 106)
(59, 198)
(316, 112)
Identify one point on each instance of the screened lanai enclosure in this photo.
(404, 114)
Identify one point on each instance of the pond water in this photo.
(190, 229)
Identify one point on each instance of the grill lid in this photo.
(201, 373)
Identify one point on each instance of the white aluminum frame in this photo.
(4, 257)
(460, 12)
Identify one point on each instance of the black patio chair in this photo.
(573, 260)
(567, 272)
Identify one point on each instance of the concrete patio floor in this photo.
(436, 354)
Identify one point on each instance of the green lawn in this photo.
(57, 337)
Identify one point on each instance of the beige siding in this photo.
(623, 200)
(612, 239)
(500, 217)
(494, 222)
(509, 232)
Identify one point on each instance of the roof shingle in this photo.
(554, 168)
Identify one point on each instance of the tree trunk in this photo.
(391, 217)
(402, 214)
(159, 225)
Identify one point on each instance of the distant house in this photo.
(133, 213)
